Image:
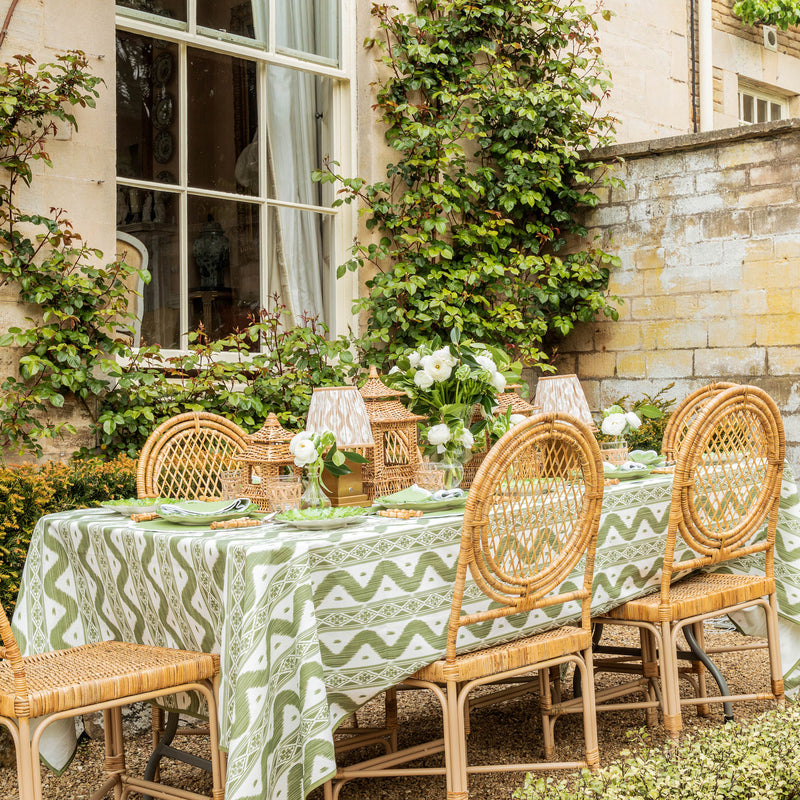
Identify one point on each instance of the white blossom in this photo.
(633, 419)
(414, 358)
(393, 370)
(305, 453)
(297, 439)
(499, 381)
(515, 419)
(614, 424)
(487, 362)
(423, 380)
(445, 355)
(439, 434)
(437, 368)
(467, 439)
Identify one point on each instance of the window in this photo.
(221, 119)
(758, 106)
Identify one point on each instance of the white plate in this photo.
(323, 524)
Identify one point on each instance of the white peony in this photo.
(633, 420)
(613, 424)
(305, 453)
(467, 439)
(297, 439)
(499, 381)
(487, 362)
(445, 355)
(439, 434)
(515, 419)
(423, 379)
(436, 366)
(414, 358)
(393, 370)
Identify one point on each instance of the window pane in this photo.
(300, 260)
(172, 9)
(147, 112)
(775, 111)
(224, 279)
(152, 218)
(747, 107)
(223, 119)
(308, 27)
(232, 16)
(299, 123)
(761, 107)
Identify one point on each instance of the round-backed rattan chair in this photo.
(726, 488)
(184, 455)
(533, 513)
(98, 677)
(682, 417)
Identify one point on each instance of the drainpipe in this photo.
(705, 28)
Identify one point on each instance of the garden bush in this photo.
(27, 492)
(756, 760)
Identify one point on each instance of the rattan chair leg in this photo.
(586, 667)
(456, 745)
(546, 711)
(647, 645)
(699, 670)
(774, 648)
(670, 681)
(29, 787)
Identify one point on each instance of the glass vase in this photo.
(451, 466)
(314, 496)
(614, 451)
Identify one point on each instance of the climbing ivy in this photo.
(781, 13)
(489, 106)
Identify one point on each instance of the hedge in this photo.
(27, 492)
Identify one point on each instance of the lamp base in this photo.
(345, 490)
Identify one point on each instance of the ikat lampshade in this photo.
(563, 393)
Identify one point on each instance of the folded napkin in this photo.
(447, 494)
(413, 494)
(198, 508)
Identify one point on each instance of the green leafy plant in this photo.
(489, 106)
(756, 760)
(781, 13)
(224, 376)
(653, 411)
(78, 304)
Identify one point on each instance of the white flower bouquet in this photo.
(446, 382)
(617, 422)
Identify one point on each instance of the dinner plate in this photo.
(628, 474)
(196, 512)
(128, 507)
(424, 505)
(323, 524)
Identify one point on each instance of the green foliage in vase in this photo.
(264, 367)
(489, 106)
(78, 305)
(780, 13)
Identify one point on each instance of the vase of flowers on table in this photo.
(616, 424)
(446, 382)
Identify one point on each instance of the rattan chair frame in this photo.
(682, 417)
(532, 585)
(99, 677)
(690, 601)
(196, 442)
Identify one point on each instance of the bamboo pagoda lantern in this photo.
(266, 456)
(396, 456)
(505, 400)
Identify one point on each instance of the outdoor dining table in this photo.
(312, 624)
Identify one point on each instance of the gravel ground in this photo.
(509, 731)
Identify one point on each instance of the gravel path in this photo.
(508, 731)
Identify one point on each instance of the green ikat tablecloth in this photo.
(310, 625)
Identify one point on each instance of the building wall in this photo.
(708, 232)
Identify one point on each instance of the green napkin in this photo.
(413, 494)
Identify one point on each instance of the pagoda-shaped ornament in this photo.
(395, 457)
(266, 456)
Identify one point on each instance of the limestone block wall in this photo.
(708, 232)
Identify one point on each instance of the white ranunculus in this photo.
(423, 379)
(633, 419)
(439, 369)
(487, 362)
(393, 370)
(515, 419)
(439, 434)
(305, 453)
(613, 424)
(499, 381)
(303, 436)
(414, 358)
(467, 439)
(445, 355)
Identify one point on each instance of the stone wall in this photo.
(708, 232)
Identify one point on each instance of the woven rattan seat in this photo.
(726, 489)
(699, 594)
(96, 673)
(524, 540)
(504, 657)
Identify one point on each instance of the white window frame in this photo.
(766, 96)
(338, 295)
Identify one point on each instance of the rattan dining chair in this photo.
(184, 456)
(523, 538)
(40, 689)
(682, 417)
(727, 485)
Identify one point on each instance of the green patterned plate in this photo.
(424, 505)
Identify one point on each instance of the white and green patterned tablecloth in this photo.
(312, 624)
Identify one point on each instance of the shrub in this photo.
(28, 492)
(756, 760)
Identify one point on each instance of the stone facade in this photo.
(708, 232)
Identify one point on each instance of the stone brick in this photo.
(781, 301)
(787, 246)
(698, 204)
(618, 336)
(662, 307)
(751, 301)
(759, 249)
(681, 334)
(726, 225)
(738, 331)
(580, 340)
(773, 196)
(736, 154)
(627, 282)
(715, 180)
(778, 329)
(596, 365)
(631, 365)
(770, 274)
(626, 193)
(610, 215)
(777, 172)
(669, 364)
(702, 306)
(650, 258)
(782, 360)
(774, 221)
(655, 282)
(722, 362)
(668, 187)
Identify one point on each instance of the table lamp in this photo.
(563, 393)
(341, 410)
